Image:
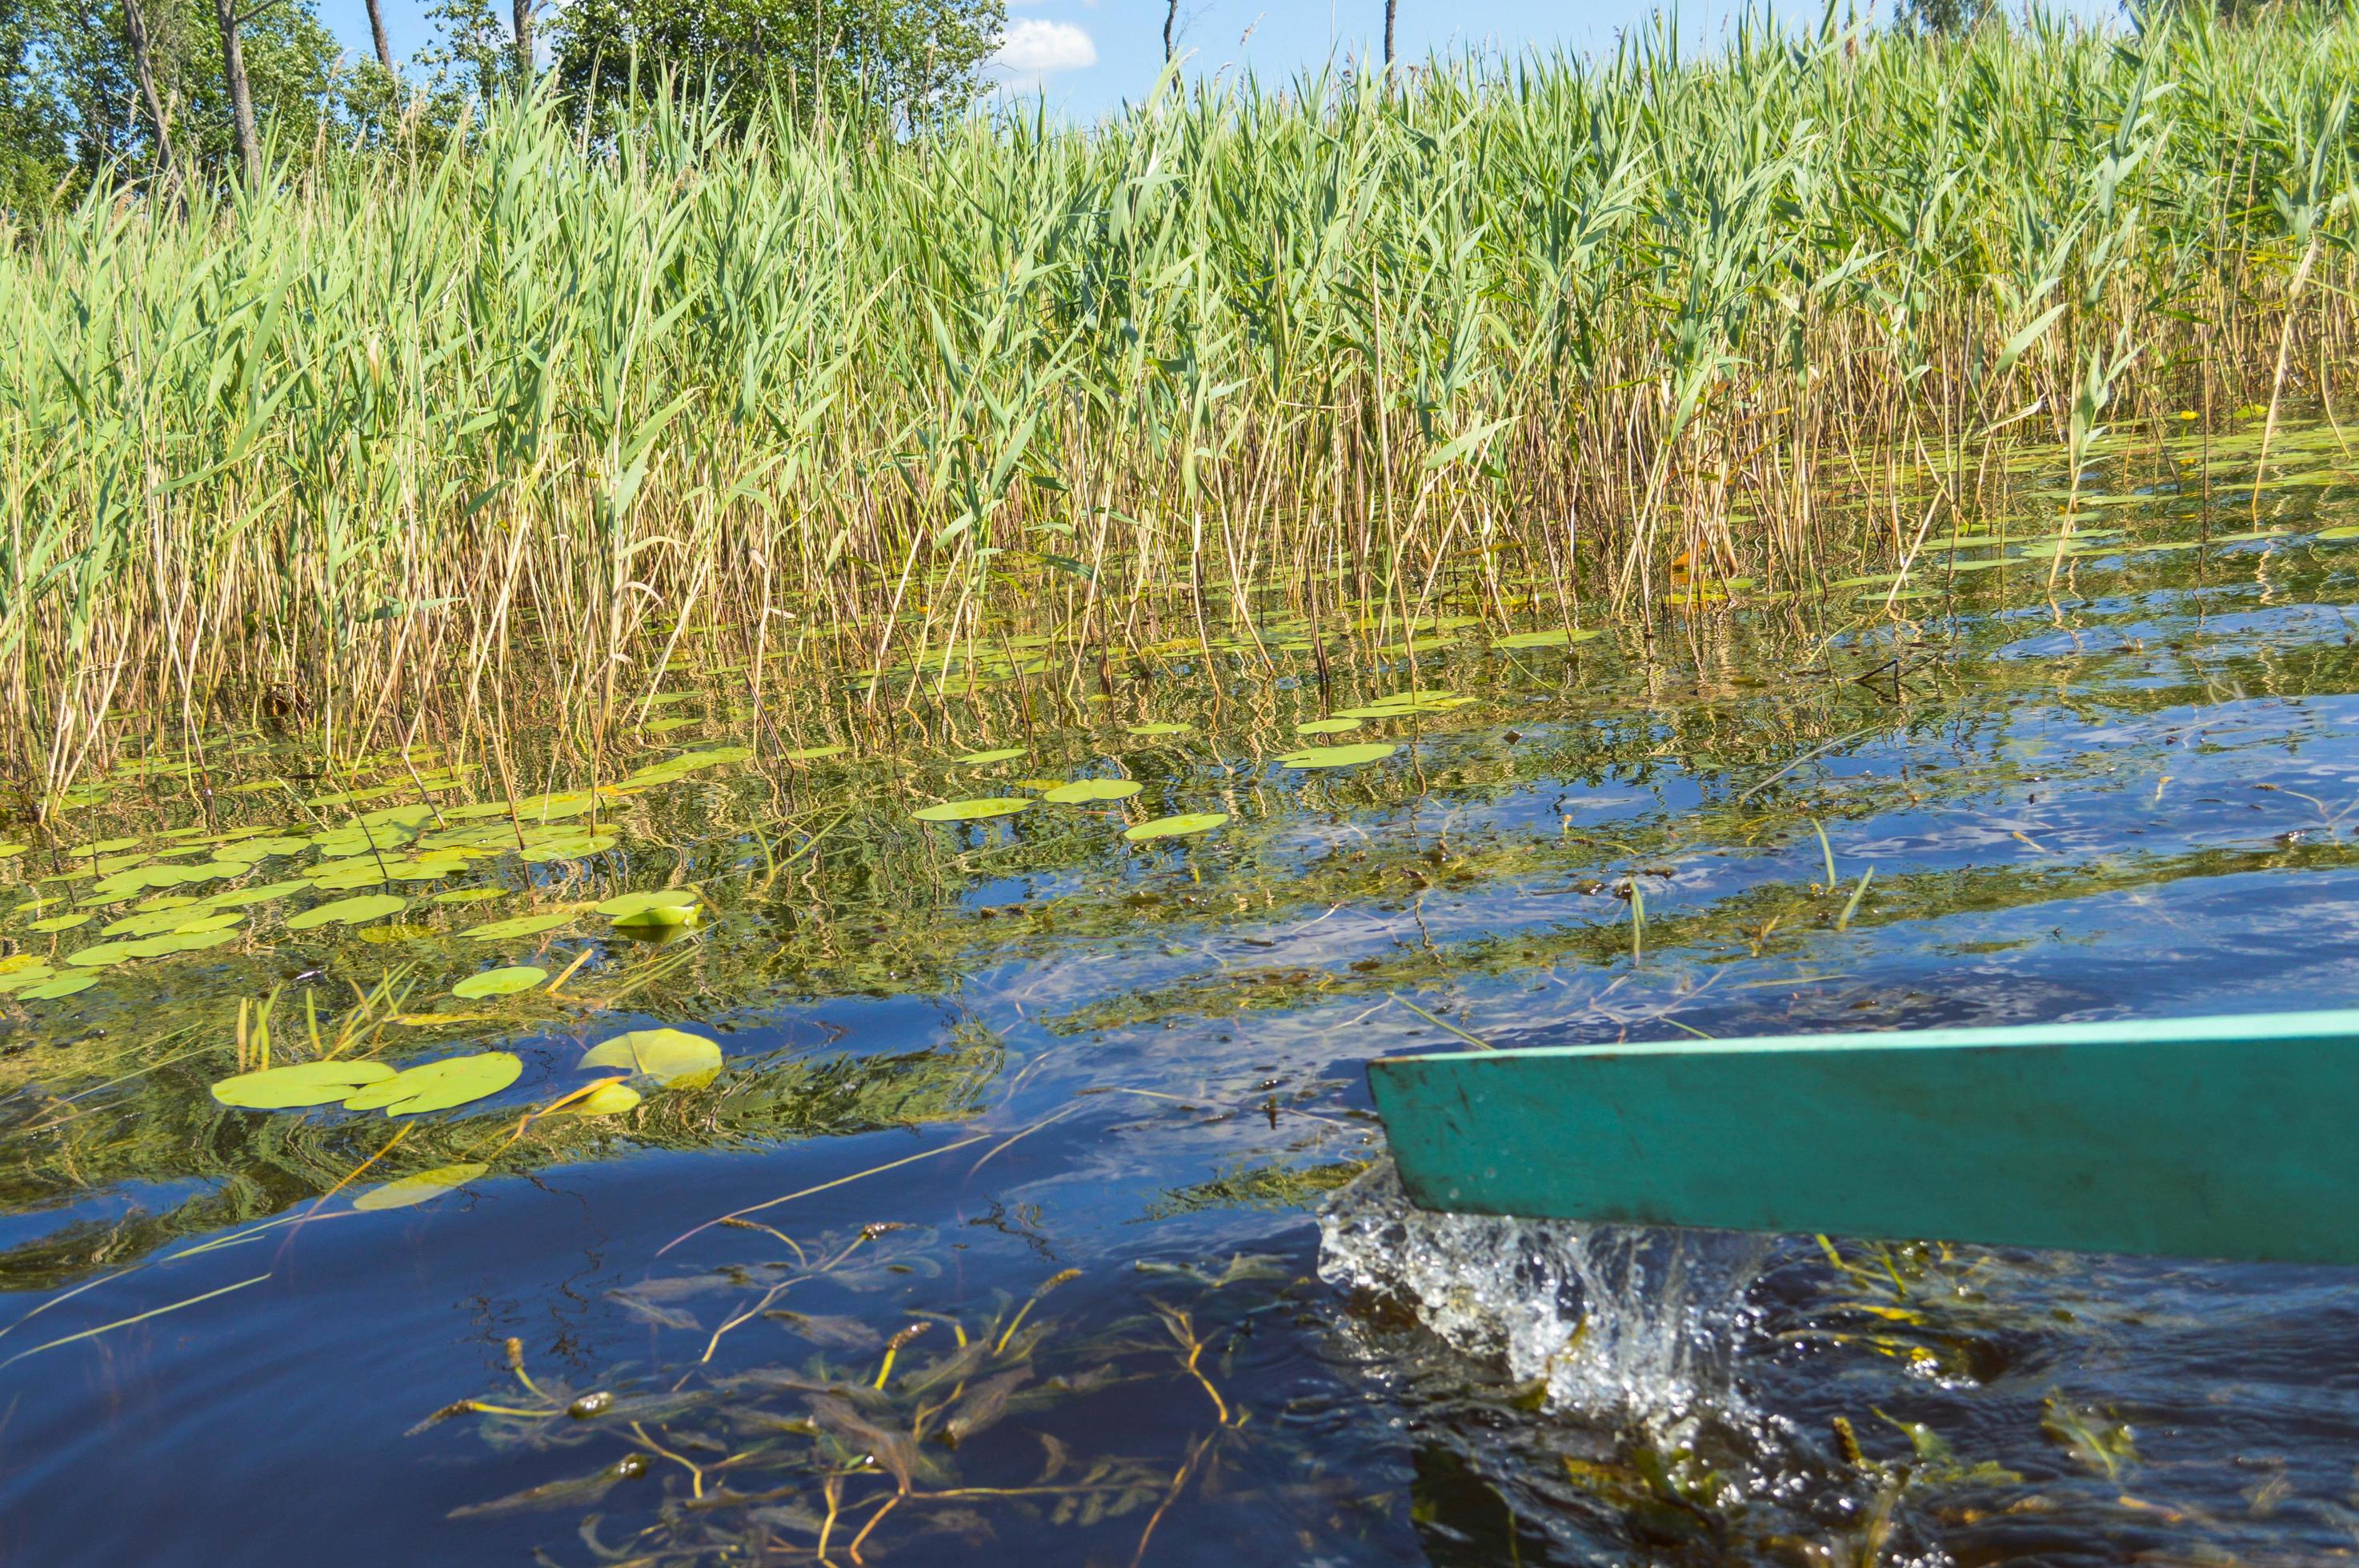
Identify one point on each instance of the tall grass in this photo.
(378, 438)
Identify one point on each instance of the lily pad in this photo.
(812, 754)
(470, 895)
(1176, 826)
(245, 898)
(1338, 756)
(504, 981)
(299, 1084)
(667, 1055)
(659, 917)
(1151, 730)
(606, 1100)
(634, 902)
(522, 926)
(439, 1086)
(62, 922)
(347, 911)
(1327, 726)
(34, 973)
(60, 986)
(972, 810)
(979, 759)
(1082, 792)
(1559, 638)
(419, 1188)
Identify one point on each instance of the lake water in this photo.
(1036, 1209)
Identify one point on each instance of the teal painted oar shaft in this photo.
(2233, 1138)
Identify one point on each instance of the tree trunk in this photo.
(522, 12)
(1392, 8)
(241, 99)
(1171, 20)
(384, 46)
(135, 28)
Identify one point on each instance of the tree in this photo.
(376, 31)
(1170, 21)
(136, 86)
(1392, 7)
(143, 67)
(1944, 18)
(908, 62)
(241, 89)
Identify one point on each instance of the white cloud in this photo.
(1032, 50)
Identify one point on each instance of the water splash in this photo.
(1625, 1323)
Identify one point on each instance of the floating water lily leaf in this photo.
(245, 898)
(1176, 826)
(812, 754)
(419, 1188)
(439, 1086)
(522, 926)
(1555, 638)
(668, 1056)
(1081, 792)
(32, 972)
(62, 922)
(1338, 756)
(347, 911)
(634, 902)
(1154, 728)
(978, 758)
(972, 810)
(105, 954)
(470, 895)
(505, 981)
(301, 1084)
(59, 986)
(606, 1100)
(10, 851)
(658, 917)
(1335, 726)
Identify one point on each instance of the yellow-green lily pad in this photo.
(522, 926)
(299, 1084)
(347, 911)
(980, 810)
(1083, 792)
(980, 759)
(606, 1100)
(1338, 756)
(419, 1188)
(505, 981)
(59, 986)
(668, 1056)
(1176, 826)
(439, 1086)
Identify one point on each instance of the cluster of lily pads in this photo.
(664, 1057)
(1313, 758)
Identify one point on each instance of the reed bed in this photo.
(391, 436)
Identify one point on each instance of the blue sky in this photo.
(1089, 56)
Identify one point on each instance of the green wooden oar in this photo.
(2200, 1137)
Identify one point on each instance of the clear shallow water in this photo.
(971, 1068)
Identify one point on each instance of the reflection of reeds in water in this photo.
(371, 444)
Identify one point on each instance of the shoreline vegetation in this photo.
(396, 443)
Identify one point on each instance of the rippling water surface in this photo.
(1036, 1206)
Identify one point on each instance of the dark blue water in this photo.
(969, 1064)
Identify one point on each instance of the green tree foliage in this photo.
(70, 105)
(909, 62)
